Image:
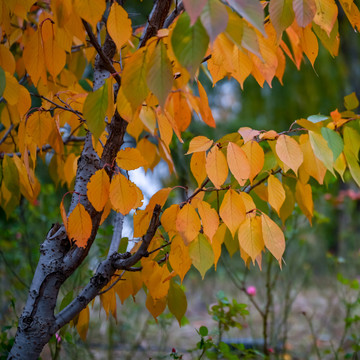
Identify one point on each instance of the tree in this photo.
(145, 85)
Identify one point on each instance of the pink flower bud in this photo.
(251, 290)
(58, 337)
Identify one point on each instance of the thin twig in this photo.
(113, 284)
(8, 131)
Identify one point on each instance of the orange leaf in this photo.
(63, 214)
(238, 163)
(248, 133)
(79, 226)
(90, 10)
(82, 324)
(303, 195)
(98, 189)
(119, 25)
(197, 166)
(38, 126)
(155, 306)
(209, 218)
(168, 218)
(199, 144)
(130, 159)
(276, 193)
(216, 166)
(154, 277)
(179, 257)
(250, 236)
(204, 108)
(188, 223)
(273, 237)
(123, 194)
(232, 210)
(255, 155)
(289, 152)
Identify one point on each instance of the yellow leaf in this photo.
(179, 257)
(217, 241)
(326, 15)
(79, 226)
(303, 194)
(149, 152)
(98, 189)
(255, 155)
(130, 284)
(209, 219)
(199, 144)
(197, 166)
(250, 236)
(288, 205)
(133, 81)
(165, 128)
(119, 25)
(38, 127)
(70, 169)
(106, 211)
(90, 10)
(312, 165)
(108, 300)
(168, 218)
(269, 135)
(34, 59)
(155, 306)
(232, 210)
(7, 61)
(55, 56)
(274, 239)
(148, 118)
(155, 277)
(82, 324)
(289, 152)
(276, 193)
(123, 106)
(123, 194)
(352, 12)
(322, 150)
(188, 223)
(238, 163)
(130, 159)
(310, 44)
(204, 108)
(248, 202)
(12, 89)
(216, 166)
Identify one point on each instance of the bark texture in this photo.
(58, 258)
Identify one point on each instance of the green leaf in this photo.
(322, 150)
(94, 110)
(351, 101)
(252, 11)
(177, 302)
(159, 73)
(66, 300)
(317, 118)
(352, 139)
(281, 14)
(201, 254)
(134, 84)
(203, 331)
(123, 245)
(214, 17)
(353, 164)
(189, 43)
(2, 81)
(334, 140)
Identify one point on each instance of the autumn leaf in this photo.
(79, 226)
(201, 254)
(305, 11)
(188, 223)
(216, 166)
(119, 25)
(197, 166)
(98, 189)
(209, 218)
(274, 239)
(154, 277)
(94, 110)
(194, 8)
(289, 152)
(123, 194)
(250, 236)
(232, 210)
(189, 43)
(176, 301)
(205, 110)
(82, 323)
(130, 159)
(155, 306)
(238, 163)
(199, 144)
(276, 193)
(179, 257)
(255, 155)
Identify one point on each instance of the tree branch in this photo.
(106, 61)
(156, 20)
(116, 238)
(177, 11)
(8, 131)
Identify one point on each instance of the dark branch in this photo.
(8, 131)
